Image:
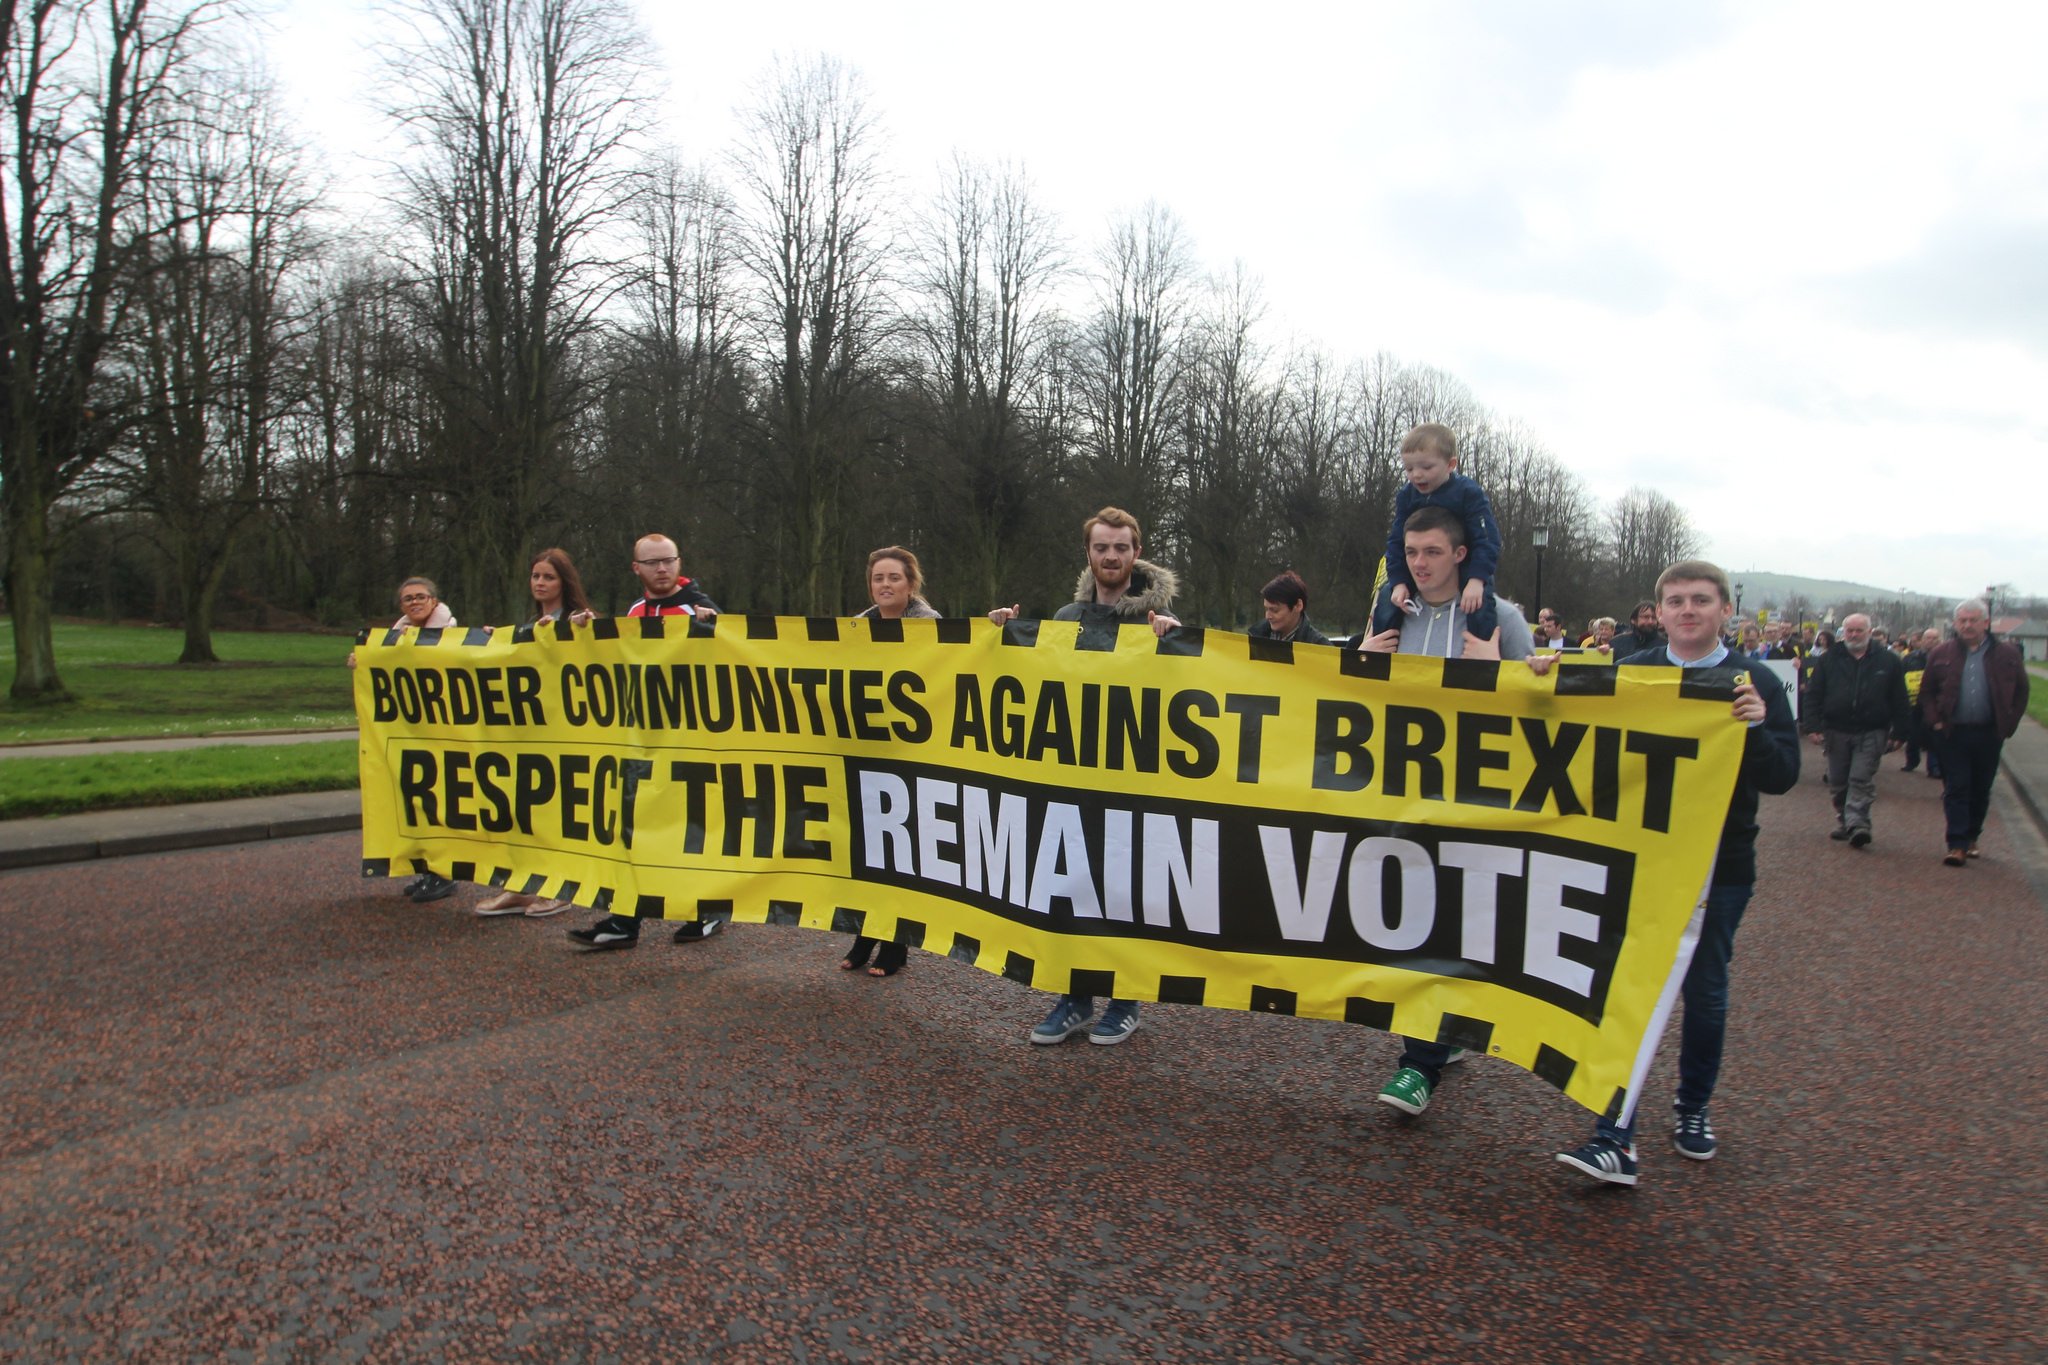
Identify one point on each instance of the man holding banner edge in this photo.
(1693, 608)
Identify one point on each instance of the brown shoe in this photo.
(1971, 852)
(1954, 857)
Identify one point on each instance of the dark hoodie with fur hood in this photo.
(1152, 589)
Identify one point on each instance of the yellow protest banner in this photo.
(1449, 849)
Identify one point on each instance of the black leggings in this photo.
(890, 959)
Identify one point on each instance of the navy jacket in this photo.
(1770, 766)
(1467, 501)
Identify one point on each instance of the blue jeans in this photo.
(1087, 1004)
(1705, 993)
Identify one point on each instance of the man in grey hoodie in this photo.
(1434, 540)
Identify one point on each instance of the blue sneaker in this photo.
(1603, 1159)
(1068, 1018)
(1692, 1135)
(1119, 1022)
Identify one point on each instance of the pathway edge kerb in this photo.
(2025, 763)
(158, 829)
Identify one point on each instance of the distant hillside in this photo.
(1775, 589)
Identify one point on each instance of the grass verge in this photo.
(2037, 692)
(114, 781)
(126, 686)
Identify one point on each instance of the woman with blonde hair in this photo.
(896, 591)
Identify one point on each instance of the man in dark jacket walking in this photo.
(1972, 696)
(1856, 709)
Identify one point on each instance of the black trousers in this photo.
(890, 958)
(1969, 765)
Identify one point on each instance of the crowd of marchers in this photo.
(1950, 699)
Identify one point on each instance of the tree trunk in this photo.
(197, 585)
(28, 595)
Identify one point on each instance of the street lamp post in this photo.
(1540, 538)
(1738, 604)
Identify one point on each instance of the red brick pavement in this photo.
(255, 1109)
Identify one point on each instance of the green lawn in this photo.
(112, 781)
(126, 685)
(2037, 692)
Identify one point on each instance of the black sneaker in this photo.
(1859, 838)
(1603, 1159)
(1840, 834)
(1692, 1136)
(609, 932)
(697, 930)
(431, 888)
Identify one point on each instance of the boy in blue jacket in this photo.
(1429, 456)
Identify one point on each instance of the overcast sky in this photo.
(1787, 263)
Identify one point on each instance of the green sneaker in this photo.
(1407, 1092)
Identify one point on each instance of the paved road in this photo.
(256, 1109)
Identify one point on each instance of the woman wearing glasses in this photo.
(420, 606)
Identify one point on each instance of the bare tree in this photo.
(1143, 282)
(983, 262)
(522, 114)
(666, 438)
(85, 88)
(349, 448)
(1231, 424)
(196, 381)
(816, 243)
(1645, 532)
(683, 314)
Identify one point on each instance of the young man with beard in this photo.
(1117, 588)
(658, 564)
(1642, 632)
